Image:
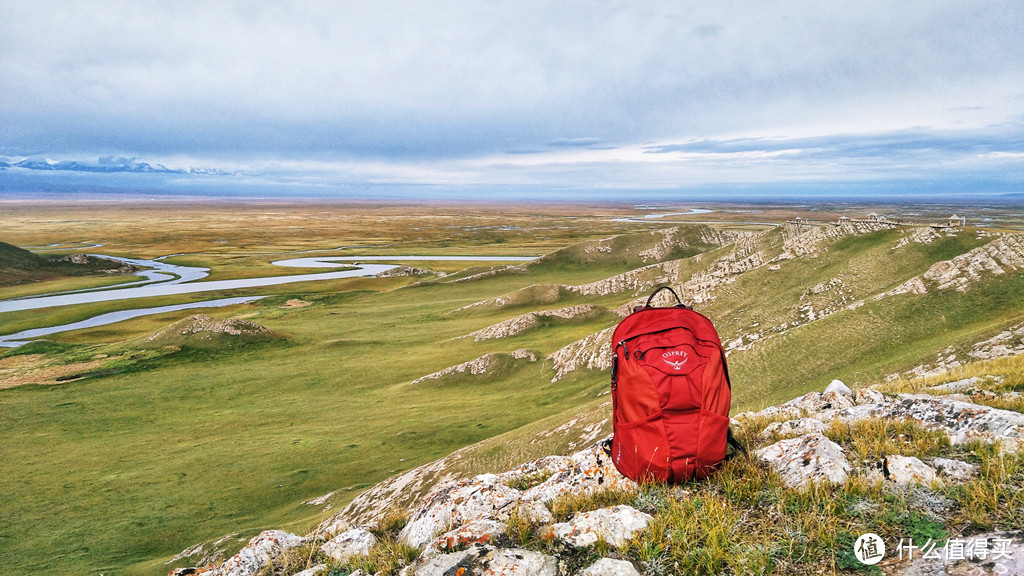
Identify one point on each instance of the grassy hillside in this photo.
(20, 266)
(137, 453)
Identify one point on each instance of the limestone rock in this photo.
(479, 366)
(354, 542)
(954, 470)
(791, 428)
(838, 387)
(806, 460)
(958, 385)
(905, 470)
(634, 281)
(593, 352)
(1002, 255)
(1007, 343)
(199, 327)
(481, 497)
(869, 396)
(479, 560)
(610, 567)
(399, 271)
(614, 525)
(524, 322)
(961, 421)
(259, 552)
(479, 531)
(584, 472)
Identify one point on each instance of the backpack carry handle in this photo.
(669, 288)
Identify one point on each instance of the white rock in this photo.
(610, 567)
(955, 470)
(905, 470)
(479, 531)
(838, 387)
(479, 560)
(869, 396)
(354, 542)
(963, 422)
(957, 386)
(615, 525)
(797, 427)
(518, 562)
(808, 459)
(259, 552)
(453, 506)
(439, 564)
(584, 472)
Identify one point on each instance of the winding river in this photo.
(165, 279)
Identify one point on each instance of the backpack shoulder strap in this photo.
(737, 447)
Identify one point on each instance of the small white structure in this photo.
(876, 217)
(844, 220)
(955, 220)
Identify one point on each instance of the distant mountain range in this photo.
(104, 165)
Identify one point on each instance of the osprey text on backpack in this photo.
(670, 395)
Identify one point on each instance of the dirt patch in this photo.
(295, 303)
(34, 369)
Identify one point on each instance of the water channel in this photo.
(164, 279)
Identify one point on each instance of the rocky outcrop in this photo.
(801, 240)
(532, 294)
(259, 552)
(479, 366)
(354, 542)
(1003, 255)
(903, 470)
(200, 328)
(807, 460)
(495, 271)
(524, 322)
(633, 282)
(962, 422)
(489, 496)
(593, 353)
(481, 560)
(923, 235)
(463, 527)
(402, 271)
(614, 525)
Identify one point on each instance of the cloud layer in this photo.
(653, 94)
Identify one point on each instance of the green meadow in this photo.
(120, 452)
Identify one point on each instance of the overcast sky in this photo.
(563, 94)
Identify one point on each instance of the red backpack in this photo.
(670, 395)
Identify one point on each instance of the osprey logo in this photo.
(676, 358)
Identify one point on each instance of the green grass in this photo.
(116, 472)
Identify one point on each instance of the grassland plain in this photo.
(158, 450)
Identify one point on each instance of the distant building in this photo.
(876, 217)
(955, 220)
(844, 219)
